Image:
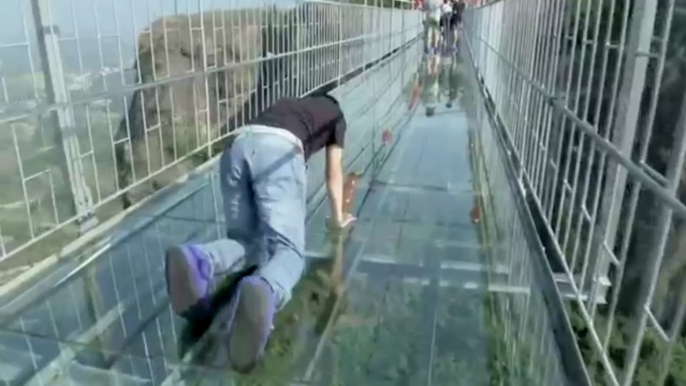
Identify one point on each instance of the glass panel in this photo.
(419, 291)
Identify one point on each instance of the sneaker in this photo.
(253, 314)
(188, 274)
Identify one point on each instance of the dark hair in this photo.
(331, 98)
(323, 92)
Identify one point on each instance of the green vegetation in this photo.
(383, 333)
(651, 357)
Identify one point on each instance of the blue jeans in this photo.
(263, 178)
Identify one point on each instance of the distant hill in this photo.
(15, 61)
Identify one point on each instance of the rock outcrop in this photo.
(181, 109)
(168, 121)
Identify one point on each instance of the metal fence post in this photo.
(340, 44)
(403, 40)
(62, 119)
(298, 47)
(206, 83)
(623, 136)
(376, 24)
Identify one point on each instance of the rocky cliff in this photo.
(248, 60)
(179, 113)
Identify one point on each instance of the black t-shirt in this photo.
(317, 121)
(458, 8)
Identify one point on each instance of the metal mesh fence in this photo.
(588, 98)
(531, 354)
(102, 315)
(103, 103)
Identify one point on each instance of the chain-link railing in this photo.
(530, 352)
(588, 99)
(103, 314)
(98, 313)
(104, 102)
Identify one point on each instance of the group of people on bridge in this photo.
(441, 21)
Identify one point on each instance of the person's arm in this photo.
(334, 181)
(335, 178)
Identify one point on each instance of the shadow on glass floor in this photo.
(401, 299)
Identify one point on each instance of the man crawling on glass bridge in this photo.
(262, 173)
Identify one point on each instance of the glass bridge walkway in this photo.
(414, 294)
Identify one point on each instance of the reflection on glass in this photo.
(441, 80)
(431, 85)
(408, 296)
(449, 82)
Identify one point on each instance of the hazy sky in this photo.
(109, 16)
(88, 19)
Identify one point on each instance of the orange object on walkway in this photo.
(386, 137)
(475, 214)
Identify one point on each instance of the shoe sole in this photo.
(183, 294)
(249, 327)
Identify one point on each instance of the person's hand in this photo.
(339, 224)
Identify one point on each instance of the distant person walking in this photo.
(432, 24)
(458, 7)
(446, 11)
